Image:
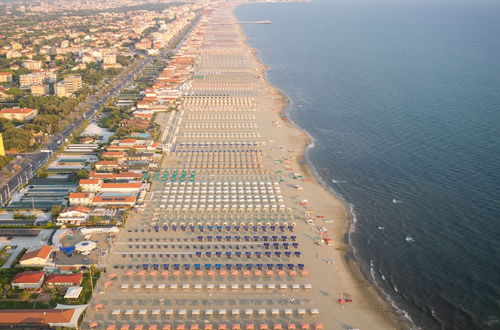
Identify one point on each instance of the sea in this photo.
(402, 101)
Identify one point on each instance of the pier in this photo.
(255, 22)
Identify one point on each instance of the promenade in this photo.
(223, 242)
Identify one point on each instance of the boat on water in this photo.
(410, 239)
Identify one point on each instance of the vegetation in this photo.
(24, 216)
(112, 118)
(4, 160)
(82, 174)
(55, 210)
(18, 298)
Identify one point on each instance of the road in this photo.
(35, 161)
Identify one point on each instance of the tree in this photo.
(4, 289)
(14, 91)
(25, 295)
(82, 174)
(17, 139)
(40, 173)
(55, 210)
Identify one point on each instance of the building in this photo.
(113, 154)
(18, 113)
(60, 90)
(39, 90)
(106, 165)
(109, 59)
(32, 65)
(114, 201)
(57, 317)
(80, 198)
(115, 176)
(30, 79)
(36, 78)
(74, 215)
(37, 257)
(28, 280)
(133, 144)
(64, 279)
(73, 83)
(90, 185)
(5, 77)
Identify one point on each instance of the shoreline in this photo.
(376, 303)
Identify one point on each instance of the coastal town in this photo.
(151, 180)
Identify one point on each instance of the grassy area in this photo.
(18, 298)
(85, 296)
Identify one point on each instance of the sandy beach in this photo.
(249, 175)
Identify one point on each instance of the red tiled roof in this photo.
(88, 181)
(42, 252)
(17, 110)
(77, 208)
(128, 141)
(113, 154)
(64, 278)
(79, 195)
(29, 277)
(107, 162)
(35, 316)
(122, 185)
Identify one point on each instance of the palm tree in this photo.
(25, 295)
(4, 289)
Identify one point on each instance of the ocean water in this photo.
(402, 99)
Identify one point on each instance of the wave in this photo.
(353, 220)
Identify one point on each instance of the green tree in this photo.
(40, 173)
(55, 210)
(82, 174)
(25, 295)
(14, 91)
(17, 139)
